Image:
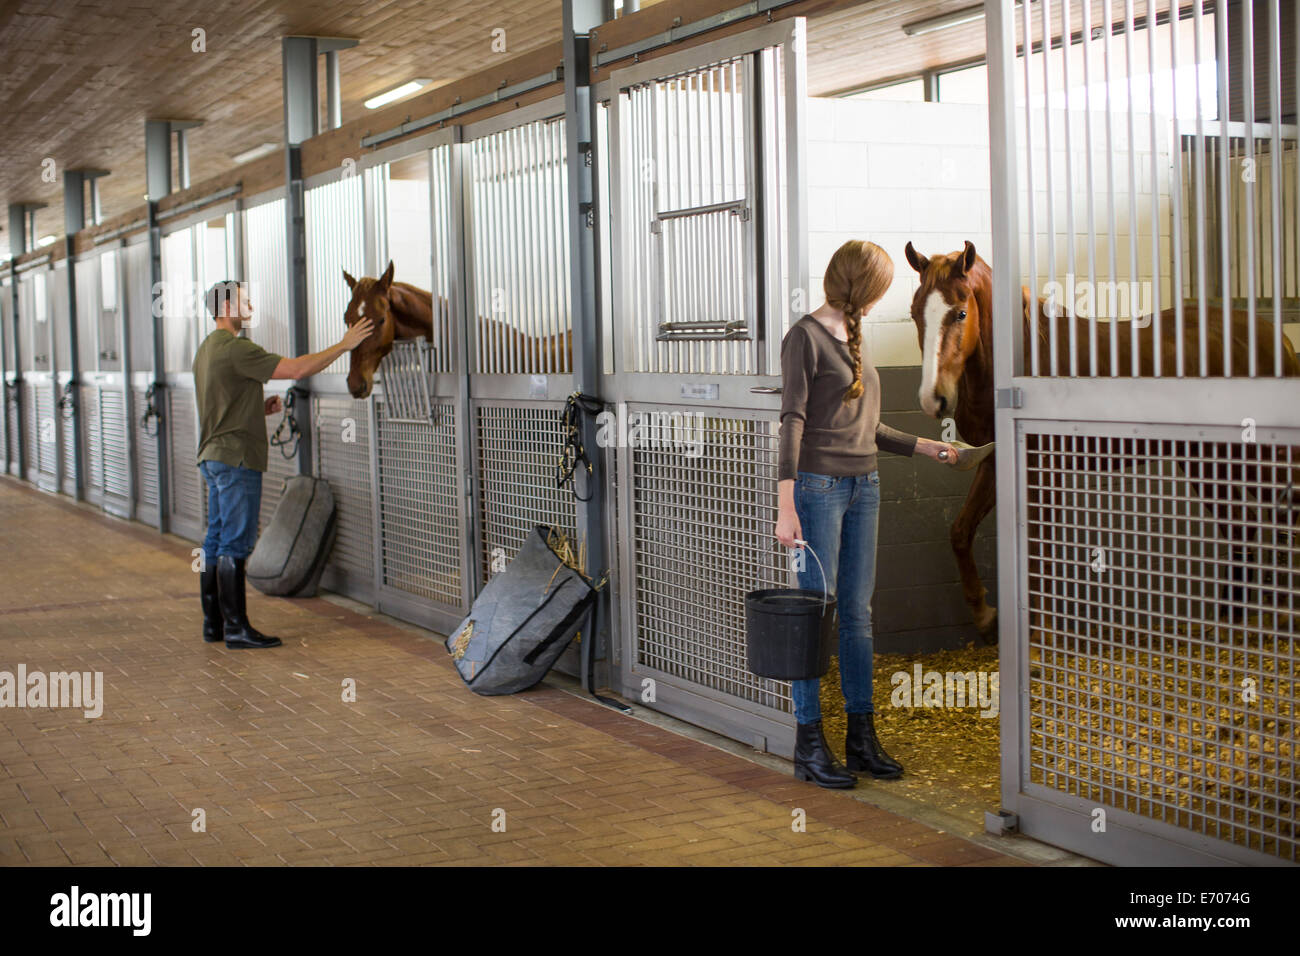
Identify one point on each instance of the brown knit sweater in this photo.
(819, 433)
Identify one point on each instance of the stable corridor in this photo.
(414, 772)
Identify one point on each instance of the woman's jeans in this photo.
(839, 517)
(234, 504)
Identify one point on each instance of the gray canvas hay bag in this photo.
(292, 550)
(522, 620)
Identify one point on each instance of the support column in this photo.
(301, 122)
(74, 220)
(21, 237)
(158, 177)
(580, 18)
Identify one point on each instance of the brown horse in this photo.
(953, 313)
(400, 310)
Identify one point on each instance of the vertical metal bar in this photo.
(1068, 116)
(1248, 100)
(1225, 165)
(1008, 360)
(539, 277)
(1112, 263)
(1085, 33)
(1053, 322)
(1175, 152)
(1202, 187)
(1027, 50)
(796, 172)
(1131, 162)
(1275, 160)
(333, 90)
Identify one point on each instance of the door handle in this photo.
(766, 389)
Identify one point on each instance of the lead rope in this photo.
(572, 452)
(281, 441)
(150, 412)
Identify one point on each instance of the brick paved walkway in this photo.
(286, 772)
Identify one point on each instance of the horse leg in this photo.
(979, 502)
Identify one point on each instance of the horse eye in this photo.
(961, 315)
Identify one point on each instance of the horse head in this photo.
(949, 307)
(370, 298)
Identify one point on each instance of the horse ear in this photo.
(915, 259)
(386, 279)
(352, 283)
(968, 257)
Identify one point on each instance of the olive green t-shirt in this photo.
(229, 373)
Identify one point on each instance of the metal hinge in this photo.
(656, 227)
(1013, 397)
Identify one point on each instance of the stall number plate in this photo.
(699, 392)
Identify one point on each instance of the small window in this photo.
(908, 91)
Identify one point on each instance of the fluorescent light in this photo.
(397, 93)
(257, 152)
(956, 18)
(46, 241)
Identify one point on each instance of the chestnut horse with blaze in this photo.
(400, 310)
(953, 313)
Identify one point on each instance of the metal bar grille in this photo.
(343, 459)
(1196, 252)
(520, 251)
(90, 414)
(1163, 574)
(144, 454)
(701, 527)
(405, 374)
(266, 268)
(335, 242)
(188, 505)
(518, 447)
(419, 505)
(113, 438)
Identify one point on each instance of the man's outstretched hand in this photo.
(273, 405)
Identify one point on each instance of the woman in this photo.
(829, 495)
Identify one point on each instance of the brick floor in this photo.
(413, 772)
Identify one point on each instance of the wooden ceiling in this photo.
(83, 76)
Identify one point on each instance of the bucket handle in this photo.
(826, 591)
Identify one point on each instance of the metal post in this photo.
(182, 159)
(158, 176)
(333, 90)
(20, 240)
(1008, 357)
(580, 17)
(74, 220)
(301, 122)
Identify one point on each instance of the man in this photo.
(229, 372)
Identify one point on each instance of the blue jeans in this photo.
(839, 518)
(234, 502)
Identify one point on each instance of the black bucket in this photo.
(789, 633)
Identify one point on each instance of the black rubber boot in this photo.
(230, 589)
(813, 760)
(213, 626)
(862, 750)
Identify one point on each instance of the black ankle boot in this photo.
(213, 626)
(813, 760)
(230, 590)
(862, 750)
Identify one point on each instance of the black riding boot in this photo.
(213, 626)
(813, 760)
(230, 589)
(862, 750)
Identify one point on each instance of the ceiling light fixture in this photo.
(397, 93)
(46, 241)
(257, 152)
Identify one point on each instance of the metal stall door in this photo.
(519, 330)
(187, 504)
(39, 400)
(143, 405)
(420, 459)
(1147, 502)
(8, 411)
(110, 380)
(708, 247)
